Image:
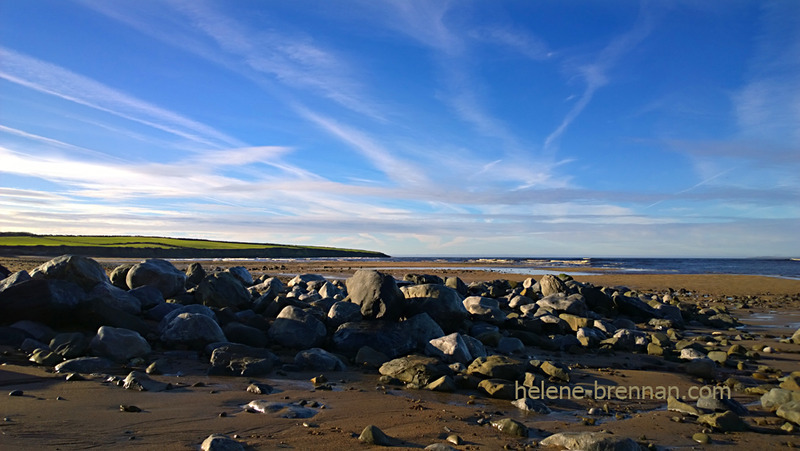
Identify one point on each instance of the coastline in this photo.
(52, 411)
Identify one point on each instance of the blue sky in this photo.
(483, 128)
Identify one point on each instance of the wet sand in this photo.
(54, 414)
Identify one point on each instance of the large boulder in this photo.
(241, 360)
(550, 284)
(82, 271)
(415, 369)
(796, 337)
(443, 304)
(343, 312)
(119, 345)
(70, 345)
(485, 308)
(192, 330)
(242, 274)
(158, 273)
(317, 359)
(116, 297)
(296, 328)
(390, 338)
(221, 290)
(450, 348)
(377, 294)
(13, 279)
(195, 274)
(119, 276)
(497, 367)
(561, 303)
(44, 300)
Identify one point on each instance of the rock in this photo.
(259, 388)
(317, 359)
(119, 345)
(246, 335)
(43, 300)
(725, 422)
(116, 298)
(148, 296)
(193, 330)
(242, 274)
(95, 313)
(82, 271)
(423, 279)
(556, 371)
(594, 441)
(796, 337)
(195, 274)
(377, 294)
(791, 382)
(457, 284)
(474, 346)
(221, 290)
(303, 280)
(498, 388)
(550, 284)
(774, 398)
(70, 345)
(485, 308)
(13, 279)
(510, 345)
(443, 384)
(691, 354)
(370, 357)
(450, 348)
(45, 358)
(119, 276)
(496, 367)
(343, 312)
(372, 435)
(84, 365)
(439, 447)
(721, 405)
(701, 438)
(415, 369)
(703, 368)
(296, 328)
(191, 308)
(511, 427)
(576, 322)
(443, 304)
(158, 273)
(219, 442)
(675, 405)
(529, 405)
(790, 411)
(561, 303)
(518, 301)
(138, 381)
(280, 409)
(241, 360)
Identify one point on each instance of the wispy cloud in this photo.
(55, 80)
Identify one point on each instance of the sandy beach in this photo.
(48, 412)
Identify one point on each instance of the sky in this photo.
(415, 128)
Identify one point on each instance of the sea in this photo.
(788, 268)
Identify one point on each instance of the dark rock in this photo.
(119, 276)
(634, 307)
(443, 384)
(497, 367)
(116, 298)
(725, 422)
(423, 279)
(13, 279)
(95, 313)
(45, 357)
(193, 330)
(242, 274)
(43, 300)
(317, 359)
(223, 289)
(70, 345)
(148, 296)
(241, 360)
(457, 284)
(372, 435)
(498, 388)
(34, 329)
(84, 365)
(377, 294)
(119, 345)
(138, 381)
(443, 304)
(195, 274)
(511, 427)
(12, 336)
(510, 345)
(246, 335)
(158, 273)
(296, 328)
(79, 270)
(343, 312)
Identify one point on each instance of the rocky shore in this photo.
(223, 356)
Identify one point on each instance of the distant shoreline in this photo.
(151, 252)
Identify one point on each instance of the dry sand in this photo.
(54, 414)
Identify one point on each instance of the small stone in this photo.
(511, 427)
(219, 442)
(259, 389)
(129, 408)
(701, 438)
(789, 427)
(725, 422)
(455, 439)
(16, 393)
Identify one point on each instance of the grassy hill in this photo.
(15, 243)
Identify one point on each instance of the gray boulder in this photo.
(776, 397)
(244, 334)
(148, 296)
(450, 348)
(116, 298)
(343, 312)
(195, 274)
(119, 345)
(119, 276)
(242, 360)
(377, 294)
(47, 301)
(82, 271)
(485, 308)
(318, 359)
(304, 279)
(220, 442)
(296, 328)
(790, 411)
(497, 367)
(796, 337)
(550, 284)
(191, 308)
(221, 290)
(390, 338)
(70, 345)
(192, 330)
(158, 273)
(139, 381)
(242, 274)
(443, 304)
(561, 303)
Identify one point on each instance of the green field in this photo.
(8, 239)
